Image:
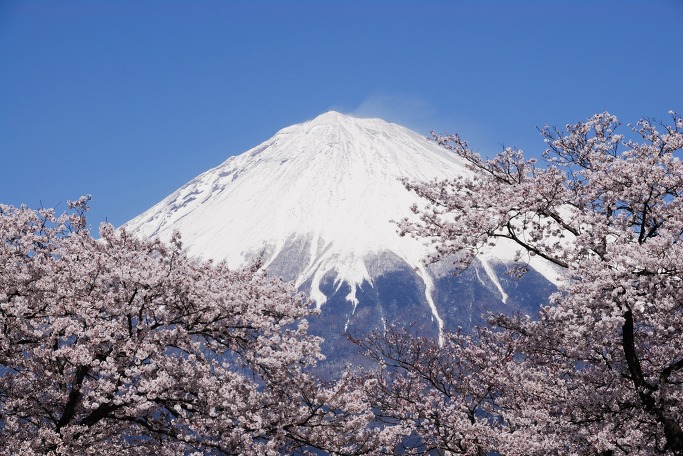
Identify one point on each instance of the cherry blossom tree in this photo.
(119, 345)
(443, 397)
(599, 370)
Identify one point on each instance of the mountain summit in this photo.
(317, 201)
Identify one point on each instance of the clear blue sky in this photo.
(127, 100)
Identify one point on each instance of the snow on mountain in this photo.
(316, 199)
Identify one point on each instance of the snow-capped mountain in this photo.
(317, 201)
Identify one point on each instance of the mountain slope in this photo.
(316, 201)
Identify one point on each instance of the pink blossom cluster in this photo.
(600, 370)
(119, 345)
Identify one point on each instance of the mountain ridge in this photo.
(316, 201)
